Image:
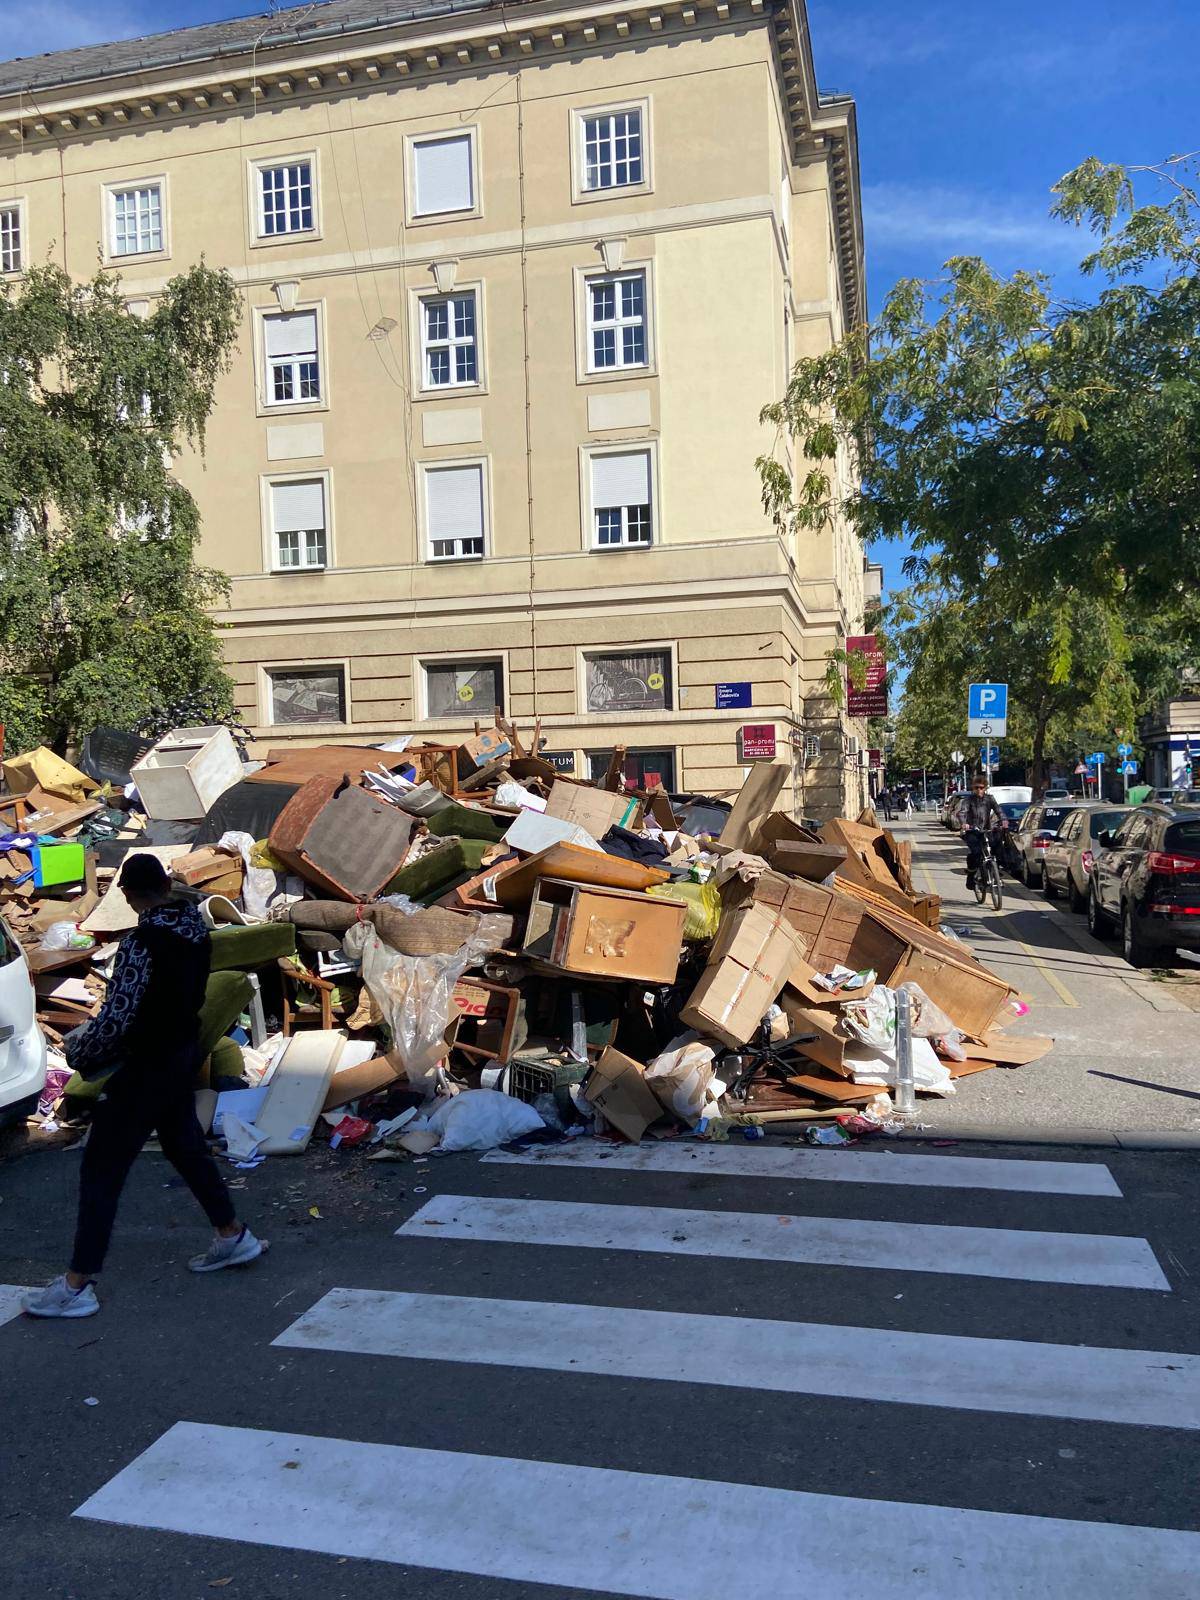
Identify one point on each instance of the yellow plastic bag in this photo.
(703, 901)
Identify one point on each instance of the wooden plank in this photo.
(575, 865)
(754, 803)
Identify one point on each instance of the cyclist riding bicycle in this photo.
(977, 814)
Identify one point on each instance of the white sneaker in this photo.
(58, 1299)
(233, 1252)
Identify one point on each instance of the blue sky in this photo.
(968, 110)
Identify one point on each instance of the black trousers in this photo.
(973, 839)
(140, 1098)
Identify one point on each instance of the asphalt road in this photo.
(694, 1387)
(1124, 1061)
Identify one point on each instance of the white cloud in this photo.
(33, 27)
(953, 221)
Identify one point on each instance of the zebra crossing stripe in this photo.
(1089, 1178)
(623, 1533)
(1075, 1258)
(10, 1301)
(1145, 1387)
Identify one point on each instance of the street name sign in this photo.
(987, 710)
(729, 695)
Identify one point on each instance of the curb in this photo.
(1113, 1139)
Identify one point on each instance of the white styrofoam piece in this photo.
(297, 1090)
(533, 832)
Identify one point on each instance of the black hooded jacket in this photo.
(152, 1008)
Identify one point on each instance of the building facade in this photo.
(517, 282)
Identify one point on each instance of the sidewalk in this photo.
(1125, 1061)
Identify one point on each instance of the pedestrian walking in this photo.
(145, 1042)
(885, 800)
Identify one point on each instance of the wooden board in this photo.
(754, 803)
(838, 1089)
(1009, 1050)
(575, 865)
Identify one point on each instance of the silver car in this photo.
(1068, 858)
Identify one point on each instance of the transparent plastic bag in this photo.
(413, 993)
(65, 936)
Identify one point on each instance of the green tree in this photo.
(1065, 659)
(1000, 428)
(103, 607)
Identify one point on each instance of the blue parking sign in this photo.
(987, 710)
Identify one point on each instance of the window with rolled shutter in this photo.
(454, 512)
(293, 370)
(622, 501)
(442, 175)
(298, 523)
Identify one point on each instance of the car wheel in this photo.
(1075, 900)
(1097, 921)
(1049, 889)
(1133, 944)
(1022, 868)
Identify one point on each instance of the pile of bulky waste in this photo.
(423, 947)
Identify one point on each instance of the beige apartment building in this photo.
(517, 281)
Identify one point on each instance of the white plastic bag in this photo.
(480, 1119)
(930, 1075)
(413, 993)
(872, 1020)
(680, 1077)
(260, 885)
(65, 936)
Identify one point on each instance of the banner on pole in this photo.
(871, 700)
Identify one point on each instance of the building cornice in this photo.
(469, 42)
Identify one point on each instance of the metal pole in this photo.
(906, 1093)
(925, 788)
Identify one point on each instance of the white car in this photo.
(22, 1043)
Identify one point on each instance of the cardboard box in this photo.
(754, 804)
(751, 958)
(490, 745)
(351, 1083)
(618, 1090)
(593, 810)
(604, 932)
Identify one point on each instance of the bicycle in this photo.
(987, 876)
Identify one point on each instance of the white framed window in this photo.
(12, 238)
(450, 340)
(612, 150)
(617, 324)
(299, 524)
(442, 174)
(455, 511)
(296, 695)
(621, 499)
(291, 358)
(136, 218)
(471, 687)
(285, 197)
(636, 679)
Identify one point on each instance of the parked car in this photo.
(1165, 796)
(1069, 857)
(1037, 827)
(1185, 797)
(22, 1044)
(1012, 811)
(1146, 882)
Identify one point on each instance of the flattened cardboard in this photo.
(351, 1083)
(618, 1090)
(838, 1089)
(593, 810)
(754, 803)
(1008, 1050)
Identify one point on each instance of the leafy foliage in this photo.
(103, 608)
(1001, 429)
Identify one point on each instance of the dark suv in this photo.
(1146, 881)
